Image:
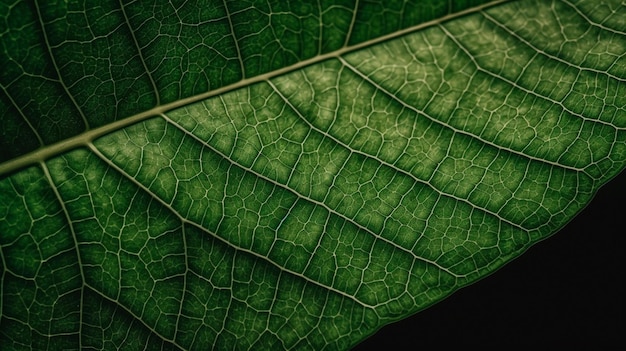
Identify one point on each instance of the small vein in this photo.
(237, 48)
(543, 52)
(185, 288)
(528, 91)
(19, 110)
(68, 219)
(56, 67)
(318, 203)
(221, 239)
(531, 92)
(140, 53)
(352, 23)
(593, 23)
(392, 166)
(134, 315)
(452, 128)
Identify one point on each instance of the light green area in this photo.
(302, 210)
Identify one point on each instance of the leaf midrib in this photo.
(86, 138)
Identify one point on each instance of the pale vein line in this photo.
(68, 219)
(452, 128)
(304, 197)
(352, 23)
(140, 53)
(391, 166)
(30, 125)
(495, 146)
(80, 264)
(214, 235)
(185, 288)
(56, 67)
(531, 92)
(134, 315)
(237, 48)
(320, 31)
(543, 52)
(88, 136)
(318, 244)
(228, 308)
(594, 23)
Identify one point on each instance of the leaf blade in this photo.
(313, 196)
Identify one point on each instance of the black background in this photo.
(566, 291)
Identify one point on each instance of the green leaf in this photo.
(287, 175)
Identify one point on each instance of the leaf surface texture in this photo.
(287, 175)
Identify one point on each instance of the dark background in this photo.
(566, 291)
